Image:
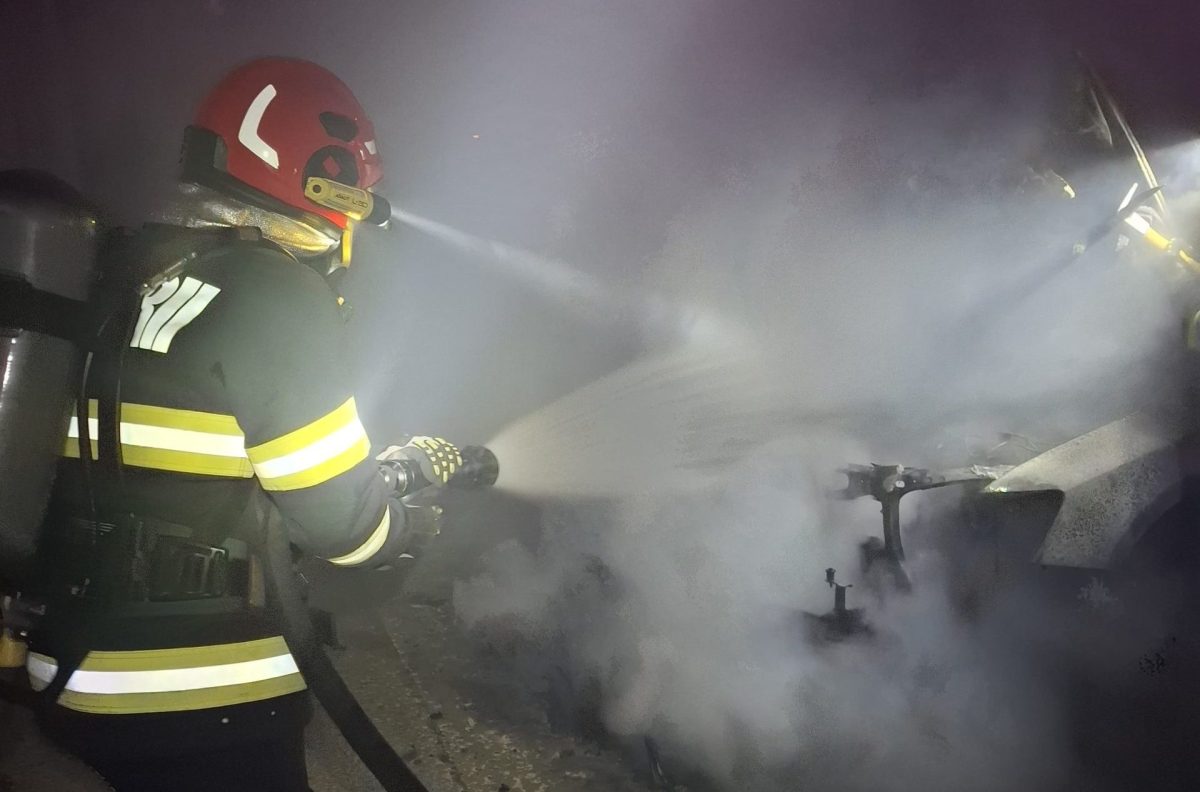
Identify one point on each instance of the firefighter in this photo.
(163, 668)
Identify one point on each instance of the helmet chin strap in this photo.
(200, 207)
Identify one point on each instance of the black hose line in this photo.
(318, 671)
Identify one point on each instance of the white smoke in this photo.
(693, 628)
(879, 317)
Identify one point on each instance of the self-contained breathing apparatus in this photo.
(49, 242)
(48, 266)
(69, 289)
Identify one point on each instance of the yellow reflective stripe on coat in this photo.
(314, 453)
(369, 548)
(173, 680)
(165, 438)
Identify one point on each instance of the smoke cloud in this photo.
(901, 292)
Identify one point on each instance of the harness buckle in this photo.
(180, 569)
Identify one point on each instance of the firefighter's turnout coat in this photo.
(234, 378)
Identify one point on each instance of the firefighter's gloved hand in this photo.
(438, 459)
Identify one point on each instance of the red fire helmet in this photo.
(271, 125)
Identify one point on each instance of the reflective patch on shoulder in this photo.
(168, 309)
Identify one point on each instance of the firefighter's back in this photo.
(161, 664)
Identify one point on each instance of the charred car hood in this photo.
(1115, 481)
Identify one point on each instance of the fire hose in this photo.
(479, 469)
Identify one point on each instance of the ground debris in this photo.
(464, 727)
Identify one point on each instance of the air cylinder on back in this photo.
(48, 241)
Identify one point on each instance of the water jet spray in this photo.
(567, 285)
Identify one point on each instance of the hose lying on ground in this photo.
(318, 671)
